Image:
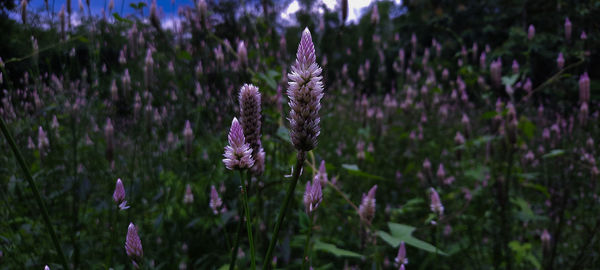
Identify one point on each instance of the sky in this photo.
(169, 8)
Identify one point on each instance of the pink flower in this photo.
(568, 28)
(366, 210)
(133, 246)
(401, 257)
(215, 201)
(531, 32)
(305, 92)
(313, 195)
(238, 154)
(119, 195)
(436, 204)
(584, 88)
(560, 61)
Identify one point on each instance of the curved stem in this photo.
(36, 193)
(307, 243)
(288, 197)
(248, 220)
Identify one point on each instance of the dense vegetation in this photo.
(463, 135)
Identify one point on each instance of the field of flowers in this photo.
(424, 135)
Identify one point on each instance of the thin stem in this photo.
(307, 243)
(36, 193)
(288, 197)
(248, 221)
(235, 245)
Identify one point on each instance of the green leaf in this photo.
(510, 80)
(554, 153)
(403, 233)
(284, 134)
(527, 127)
(121, 19)
(354, 170)
(338, 252)
(184, 55)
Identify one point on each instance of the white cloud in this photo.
(355, 8)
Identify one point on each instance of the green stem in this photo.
(248, 220)
(306, 244)
(36, 193)
(235, 245)
(288, 197)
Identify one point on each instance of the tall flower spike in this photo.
(305, 92)
(366, 210)
(250, 119)
(119, 195)
(322, 174)
(215, 201)
(313, 195)
(436, 204)
(46, 267)
(238, 154)
(133, 246)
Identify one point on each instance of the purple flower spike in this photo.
(401, 257)
(436, 204)
(584, 88)
(531, 32)
(119, 195)
(238, 154)
(250, 111)
(560, 61)
(322, 174)
(313, 195)
(133, 246)
(305, 92)
(366, 210)
(215, 201)
(46, 267)
(568, 28)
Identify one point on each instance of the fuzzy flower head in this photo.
(305, 92)
(119, 195)
(238, 154)
(366, 210)
(545, 237)
(215, 201)
(109, 132)
(313, 195)
(46, 267)
(436, 204)
(133, 246)
(250, 117)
